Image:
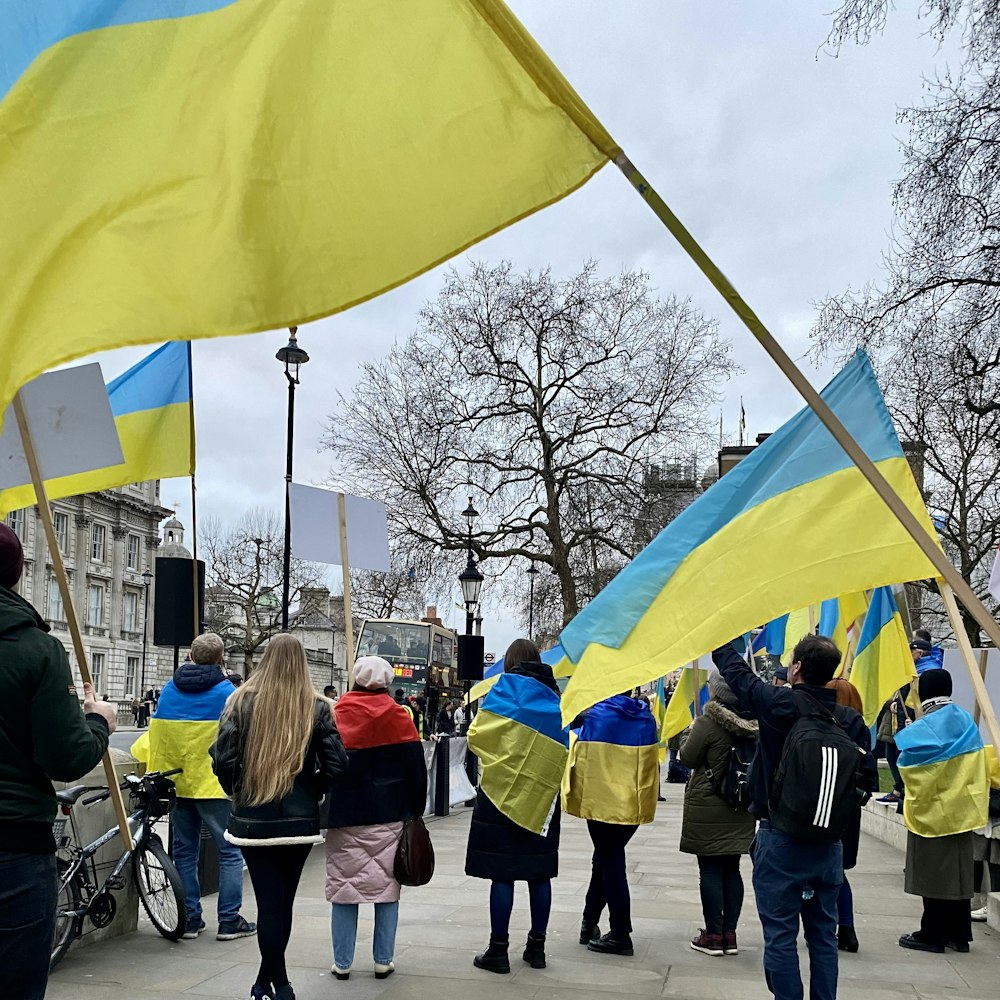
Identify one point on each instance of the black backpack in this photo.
(733, 784)
(816, 787)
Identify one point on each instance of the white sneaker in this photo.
(341, 973)
(384, 971)
(979, 916)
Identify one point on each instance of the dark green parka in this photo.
(44, 736)
(710, 825)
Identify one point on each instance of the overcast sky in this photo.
(778, 157)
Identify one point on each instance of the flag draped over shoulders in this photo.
(612, 774)
(519, 739)
(793, 524)
(213, 167)
(946, 771)
(152, 407)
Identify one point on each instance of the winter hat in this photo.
(934, 684)
(922, 645)
(11, 557)
(720, 690)
(373, 672)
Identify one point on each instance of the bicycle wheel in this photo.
(67, 924)
(160, 889)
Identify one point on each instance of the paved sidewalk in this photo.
(442, 925)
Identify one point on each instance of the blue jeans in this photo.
(344, 926)
(785, 872)
(27, 914)
(185, 823)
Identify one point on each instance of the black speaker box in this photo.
(471, 650)
(173, 602)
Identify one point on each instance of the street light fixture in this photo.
(532, 573)
(292, 357)
(470, 579)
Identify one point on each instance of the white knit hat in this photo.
(373, 672)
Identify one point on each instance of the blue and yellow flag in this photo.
(793, 524)
(613, 770)
(680, 709)
(185, 725)
(519, 739)
(946, 771)
(554, 657)
(838, 618)
(151, 404)
(882, 663)
(202, 168)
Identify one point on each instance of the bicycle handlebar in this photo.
(91, 799)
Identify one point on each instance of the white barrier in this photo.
(460, 789)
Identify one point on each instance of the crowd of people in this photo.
(272, 768)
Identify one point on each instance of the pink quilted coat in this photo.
(359, 861)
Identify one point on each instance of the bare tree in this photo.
(546, 401)
(932, 323)
(243, 580)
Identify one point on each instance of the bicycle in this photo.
(151, 798)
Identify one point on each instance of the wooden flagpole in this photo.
(696, 703)
(978, 684)
(345, 563)
(928, 545)
(983, 655)
(41, 498)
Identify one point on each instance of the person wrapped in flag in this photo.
(612, 782)
(947, 776)
(522, 747)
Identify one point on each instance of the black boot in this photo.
(847, 940)
(534, 951)
(611, 945)
(494, 959)
(588, 932)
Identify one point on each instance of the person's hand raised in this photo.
(91, 706)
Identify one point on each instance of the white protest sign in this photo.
(315, 528)
(72, 427)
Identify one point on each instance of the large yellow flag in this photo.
(213, 167)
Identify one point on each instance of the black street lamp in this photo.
(532, 573)
(292, 357)
(470, 579)
(146, 580)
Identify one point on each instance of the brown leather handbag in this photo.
(414, 864)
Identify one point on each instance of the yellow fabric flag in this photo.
(226, 166)
(680, 711)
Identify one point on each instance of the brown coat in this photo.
(710, 825)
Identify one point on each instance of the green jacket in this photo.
(44, 737)
(710, 825)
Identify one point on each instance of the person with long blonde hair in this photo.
(278, 750)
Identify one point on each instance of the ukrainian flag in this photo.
(554, 657)
(180, 733)
(794, 523)
(201, 168)
(613, 770)
(946, 771)
(152, 407)
(520, 741)
(680, 709)
(882, 664)
(837, 617)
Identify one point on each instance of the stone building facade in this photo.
(108, 541)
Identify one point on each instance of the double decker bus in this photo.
(424, 658)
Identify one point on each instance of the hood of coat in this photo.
(16, 612)
(192, 678)
(540, 672)
(745, 729)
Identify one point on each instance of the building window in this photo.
(61, 524)
(55, 601)
(97, 672)
(95, 604)
(130, 618)
(132, 552)
(131, 669)
(15, 521)
(98, 539)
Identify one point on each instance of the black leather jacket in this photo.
(293, 819)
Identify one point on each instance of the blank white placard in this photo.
(71, 423)
(316, 530)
